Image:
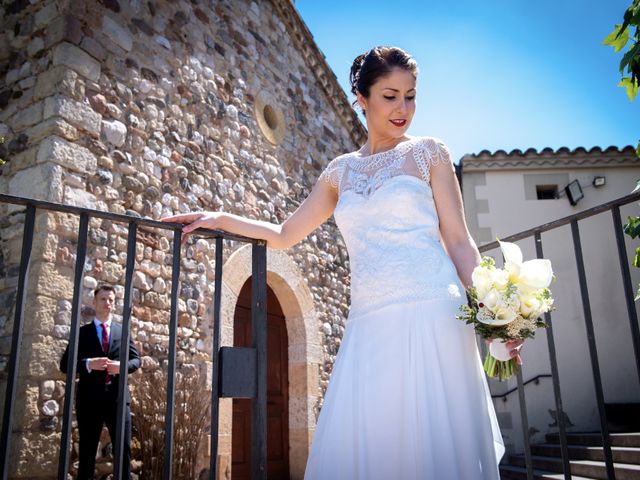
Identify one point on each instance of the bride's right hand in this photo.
(193, 221)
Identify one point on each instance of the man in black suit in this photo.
(97, 391)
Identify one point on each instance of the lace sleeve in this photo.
(333, 173)
(431, 151)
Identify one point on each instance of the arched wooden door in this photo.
(277, 392)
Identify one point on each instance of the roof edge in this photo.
(564, 158)
(317, 62)
(517, 153)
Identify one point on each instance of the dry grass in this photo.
(191, 420)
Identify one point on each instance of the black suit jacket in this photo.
(91, 386)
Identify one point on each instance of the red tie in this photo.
(105, 347)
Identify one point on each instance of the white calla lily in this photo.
(536, 273)
(511, 252)
(505, 315)
(502, 317)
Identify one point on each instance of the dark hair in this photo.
(378, 62)
(108, 288)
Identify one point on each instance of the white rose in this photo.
(491, 299)
(529, 305)
(500, 278)
(482, 280)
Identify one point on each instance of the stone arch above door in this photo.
(304, 349)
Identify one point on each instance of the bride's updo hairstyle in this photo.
(378, 62)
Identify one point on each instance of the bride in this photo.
(407, 398)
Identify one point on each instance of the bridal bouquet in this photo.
(505, 304)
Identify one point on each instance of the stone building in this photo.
(151, 109)
(509, 192)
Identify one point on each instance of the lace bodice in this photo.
(387, 216)
(365, 174)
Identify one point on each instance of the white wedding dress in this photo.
(408, 398)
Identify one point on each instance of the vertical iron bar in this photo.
(628, 290)
(118, 463)
(566, 465)
(215, 364)
(16, 341)
(259, 342)
(72, 360)
(173, 339)
(593, 352)
(525, 426)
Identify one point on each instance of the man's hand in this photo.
(98, 363)
(113, 367)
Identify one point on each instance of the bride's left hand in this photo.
(515, 346)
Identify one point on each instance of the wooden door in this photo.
(277, 392)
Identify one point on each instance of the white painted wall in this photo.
(509, 213)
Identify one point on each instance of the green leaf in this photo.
(617, 39)
(636, 259)
(488, 262)
(632, 228)
(638, 154)
(630, 58)
(632, 15)
(628, 15)
(630, 86)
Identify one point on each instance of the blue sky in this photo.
(494, 74)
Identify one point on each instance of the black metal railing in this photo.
(535, 380)
(536, 233)
(241, 372)
(228, 376)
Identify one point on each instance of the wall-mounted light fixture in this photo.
(599, 181)
(574, 192)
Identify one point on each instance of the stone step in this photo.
(584, 452)
(631, 439)
(586, 468)
(509, 472)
